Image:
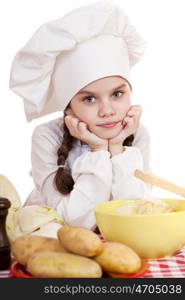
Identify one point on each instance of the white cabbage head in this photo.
(33, 219)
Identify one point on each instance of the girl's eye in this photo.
(117, 94)
(89, 99)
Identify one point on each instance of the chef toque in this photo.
(65, 55)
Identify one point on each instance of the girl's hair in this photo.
(63, 179)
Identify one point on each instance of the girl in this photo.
(80, 65)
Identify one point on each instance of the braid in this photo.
(63, 179)
(128, 141)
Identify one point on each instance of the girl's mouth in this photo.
(108, 125)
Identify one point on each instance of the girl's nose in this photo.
(106, 109)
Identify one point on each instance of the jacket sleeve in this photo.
(92, 175)
(124, 183)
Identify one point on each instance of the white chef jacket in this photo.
(97, 176)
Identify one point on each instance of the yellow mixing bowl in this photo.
(151, 236)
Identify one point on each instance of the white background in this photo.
(158, 83)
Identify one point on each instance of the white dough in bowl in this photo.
(145, 206)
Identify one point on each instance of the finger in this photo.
(138, 109)
(72, 120)
(130, 125)
(82, 127)
(136, 115)
(127, 119)
(135, 110)
(67, 120)
(131, 112)
(75, 121)
(72, 124)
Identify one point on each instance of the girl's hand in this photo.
(130, 124)
(79, 130)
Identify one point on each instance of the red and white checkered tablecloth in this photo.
(173, 266)
(5, 274)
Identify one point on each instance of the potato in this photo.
(118, 258)
(58, 264)
(23, 247)
(80, 240)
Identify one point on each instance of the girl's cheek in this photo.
(79, 114)
(83, 117)
(125, 109)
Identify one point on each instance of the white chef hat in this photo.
(65, 55)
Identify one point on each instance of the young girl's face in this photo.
(102, 105)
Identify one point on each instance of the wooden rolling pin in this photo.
(160, 182)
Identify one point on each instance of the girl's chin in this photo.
(108, 135)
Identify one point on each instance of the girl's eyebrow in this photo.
(91, 92)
